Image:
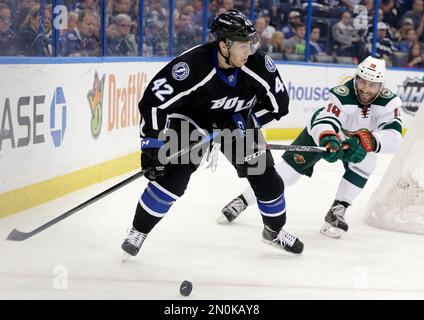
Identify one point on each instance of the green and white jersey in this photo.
(344, 112)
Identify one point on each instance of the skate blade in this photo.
(288, 253)
(332, 232)
(125, 257)
(222, 219)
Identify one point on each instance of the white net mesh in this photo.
(398, 202)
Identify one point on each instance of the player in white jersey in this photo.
(361, 120)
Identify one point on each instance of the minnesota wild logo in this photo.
(299, 159)
(386, 93)
(341, 90)
(95, 99)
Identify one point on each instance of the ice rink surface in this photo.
(80, 257)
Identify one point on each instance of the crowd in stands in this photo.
(341, 30)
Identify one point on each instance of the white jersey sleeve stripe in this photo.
(189, 50)
(142, 127)
(264, 84)
(261, 113)
(184, 93)
(155, 118)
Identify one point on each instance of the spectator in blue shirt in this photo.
(20, 13)
(43, 43)
(29, 40)
(316, 49)
(416, 13)
(91, 5)
(7, 36)
(81, 41)
(294, 19)
(185, 33)
(405, 45)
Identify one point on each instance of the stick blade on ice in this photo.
(17, 235)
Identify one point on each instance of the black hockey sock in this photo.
(143, 221)
(275, 223)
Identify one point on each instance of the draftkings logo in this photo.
(411, 92)
(95, 100)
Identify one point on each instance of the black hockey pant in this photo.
(159, 195)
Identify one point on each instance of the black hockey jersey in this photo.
(192, 86)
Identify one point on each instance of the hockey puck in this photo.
(185, 288)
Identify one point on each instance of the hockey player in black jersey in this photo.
(217, 85)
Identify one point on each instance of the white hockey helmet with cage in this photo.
(372, 69)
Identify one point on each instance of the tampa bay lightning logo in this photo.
(180, 71)
(269, 64)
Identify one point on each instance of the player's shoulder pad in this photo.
(193, 63)
(386, 97)
(345, 93)
(261, 64)
(387, 103)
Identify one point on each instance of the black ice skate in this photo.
(133, 242)
(232, 210)
(335, 225)
(282, 240)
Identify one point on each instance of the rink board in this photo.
(66, 126)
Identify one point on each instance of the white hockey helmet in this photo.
(372, 69)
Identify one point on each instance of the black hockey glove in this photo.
(150, 164)
(359, 143)
(331, 141)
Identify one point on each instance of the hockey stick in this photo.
(17, 235)
(294, 148)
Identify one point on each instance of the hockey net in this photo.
(398, 202)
